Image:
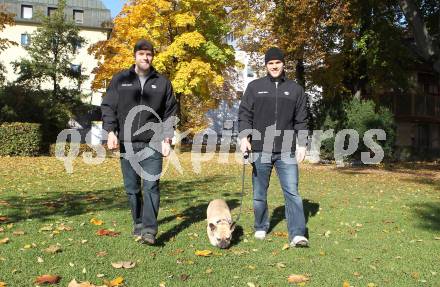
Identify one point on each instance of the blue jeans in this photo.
(144, 209)
(287, 171)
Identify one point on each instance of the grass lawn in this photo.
(367, 227)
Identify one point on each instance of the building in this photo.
(417, 114)
(90, 15)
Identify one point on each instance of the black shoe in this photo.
(148, 238)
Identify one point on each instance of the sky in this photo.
(114, 5)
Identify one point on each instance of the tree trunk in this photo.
(423, 40)
(300, 73)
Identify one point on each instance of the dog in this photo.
(220, 225)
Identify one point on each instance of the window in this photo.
(78, 16)
(75, 69)
(51, 10)
(26, 11)
(250, 72)
(25, 39)
(76, 46)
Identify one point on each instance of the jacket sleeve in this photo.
(169, 120)
(301, 118)
(109, 108)
(246, 110)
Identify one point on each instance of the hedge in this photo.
(20, 139)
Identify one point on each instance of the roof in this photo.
(91, 4)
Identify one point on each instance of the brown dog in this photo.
(220, 225)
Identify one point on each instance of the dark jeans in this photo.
(144, 205)
(288, 174)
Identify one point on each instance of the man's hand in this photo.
(166, 148)
(300, 154)
(245, 145)
(112, 141)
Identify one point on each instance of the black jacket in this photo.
(265, 104)
(125, 93)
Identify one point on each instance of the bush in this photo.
(23, 104)
(360, 115)
(20, 139)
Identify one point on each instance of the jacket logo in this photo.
(286, 93)
(154, 86)
(263, 92)
(126, 85)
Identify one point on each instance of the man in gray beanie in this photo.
(272, 111)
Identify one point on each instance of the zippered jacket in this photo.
(279, 103)
(125, 92)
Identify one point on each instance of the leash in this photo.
(245, 158)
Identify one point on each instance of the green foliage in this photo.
(51, 52)
(360, 115)
(20, 139)
(22, 104)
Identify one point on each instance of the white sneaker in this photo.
(260, 235)
(299, 241)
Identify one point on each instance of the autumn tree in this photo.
(6, 19)
(188, 36)
(52, 49)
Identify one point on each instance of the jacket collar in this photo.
(281, 78)
(133, 71)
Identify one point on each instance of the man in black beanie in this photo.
(272, 114)
(150, 95)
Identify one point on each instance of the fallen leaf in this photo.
(4, 219)
(184, 277)
(4, 203)
(203, 253)
(280, 234)
(63, 227)
(346, 284)
(2, 284)
(250, 284)
(101, 253)
(285, 246)
(437, 238)
(100, 275)
(4, 240)
(48, 279)
(105, 232)
(53, 249)
(327, 233)
(84, 271)
(281, 265)
(115, 282)
(371, 285)
(162, 284)
(18, 232)
(415, 275)
(208, 271)
(124, 264)
(297, 278)
(357, 274)
(46, 228)
(2, 229)
(95, 221)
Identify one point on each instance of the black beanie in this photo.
(274, 54)
(143, 44)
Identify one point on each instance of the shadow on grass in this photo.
(428, 214)
(189, 216)
(278, 215)
(64, 203)
(176, 193)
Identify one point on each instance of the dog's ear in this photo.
(212, 226)
(232, 226)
